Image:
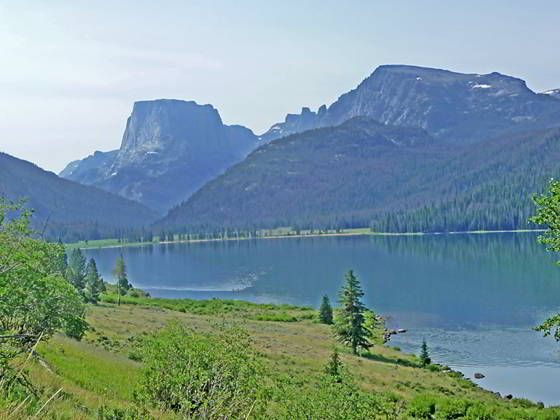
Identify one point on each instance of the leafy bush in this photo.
(35, 298)
(422, 407)
(202, 375)
(451, 408)
(336, 397)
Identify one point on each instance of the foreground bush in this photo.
(35, 298)
(202, 375)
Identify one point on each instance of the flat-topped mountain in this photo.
(460, 108)
(67, 209)
(170, 148)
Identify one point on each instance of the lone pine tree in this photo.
(325, 311)
(350, 325)
(424, 355)
(121, 277)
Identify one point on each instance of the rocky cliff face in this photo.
(170, 148)
(453, 106)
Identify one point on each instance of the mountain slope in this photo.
(309, 178)
(170, 148)
(460, 108)
(69, 210)
(362, 173)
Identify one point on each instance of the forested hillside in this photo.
(66, 209)
(362, 173)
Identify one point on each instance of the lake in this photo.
(474, 298)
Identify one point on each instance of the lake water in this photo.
(474, 298)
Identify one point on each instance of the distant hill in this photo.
(68, 210)
(170, 148)
(459, 108)
(362, 173)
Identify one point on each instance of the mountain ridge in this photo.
(457, 106)
(69, 209)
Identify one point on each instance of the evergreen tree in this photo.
(350, 326)
(94, 282)
(121, 277)
(424, 355)
(334, 366)
(77, 270)
(325, 311)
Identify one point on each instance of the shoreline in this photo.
(357, 232)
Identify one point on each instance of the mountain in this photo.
(310, 177)
(363, 173)
(170, 148)
(460, 108)
(69, 210)
(90, 169)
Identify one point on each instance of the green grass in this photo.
(108, 374)
(216, 307)
(101, 369)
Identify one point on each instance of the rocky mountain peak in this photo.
(166, 126)
(169, 149)
(457, 107)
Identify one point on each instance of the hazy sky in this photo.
(70, 70)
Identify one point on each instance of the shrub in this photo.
(201, 374)
(335, 398)
(422, 407)
(479, 411)
(451, 408)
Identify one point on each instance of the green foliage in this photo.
(129, 413)
(335, 366)
(238, 308)
(551, 326)
(121, 276)
(548, 214)
(325, 311)
(36, 299)
(425, 359)
(94, 284)
(350, 322)
(202, 375)
(422, 407)
(77, 269)
(334, 398)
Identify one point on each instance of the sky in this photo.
(70, 71)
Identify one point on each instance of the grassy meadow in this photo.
(98, 375)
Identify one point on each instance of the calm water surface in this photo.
(474, 298)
